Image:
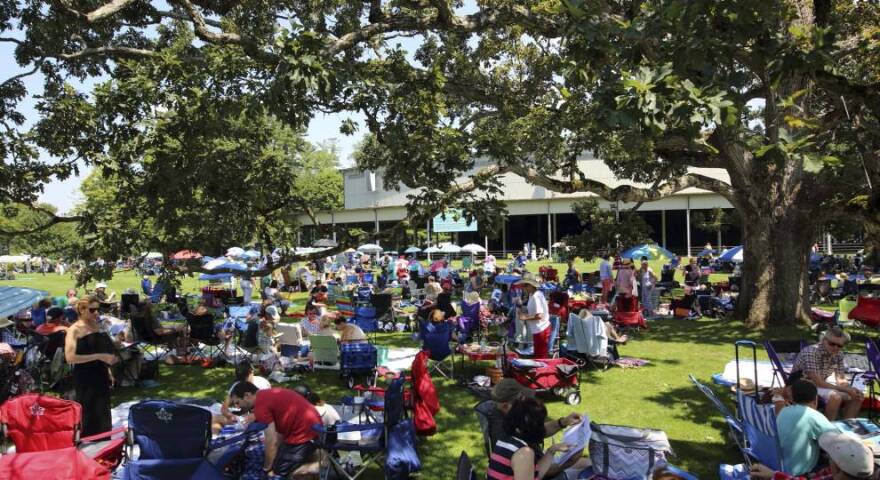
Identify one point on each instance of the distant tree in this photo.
(58, 241)
(716, 221)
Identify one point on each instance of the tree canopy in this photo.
(780, 94)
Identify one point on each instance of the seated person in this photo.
(101, 294)
(349, 332)
(818, 362)
(174, 337)
(516, 453)
(244, 372)
(329, 415)
(147, 286)
(266, 333)
(269, 307)
(131, 360)
(475, 281)
(432, 289)
(55, 322)
(800, 425)
(849, 459)
(288, 438)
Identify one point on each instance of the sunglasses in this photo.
(93, 310)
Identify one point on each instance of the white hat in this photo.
(101, 285)
(848, 452)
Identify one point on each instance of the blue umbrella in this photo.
(734, 255)
(706, 252)
(15, 299)
(215, 276)
(653, 252)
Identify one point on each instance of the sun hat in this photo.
(848, 452)
(508, 390)
(626, 261)
(101, 285)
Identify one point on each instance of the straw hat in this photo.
(747, 385)
(626, 261)
(528, 280)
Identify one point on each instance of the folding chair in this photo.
(362, 296)
(435, 340)
(465, 470)
(172, 439)
(203, 337)
(735, 430)
(468, 321)
(146, 338)
(36, 423)
(325, 352)
(758, 420)
(628, 314)
(291, 339)
(381, 303)
(483, 411)
(781, 375)
(588, 342)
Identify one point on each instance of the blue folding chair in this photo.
(758, 420)
(392, 440)
(781, 374)
(357, 359)
(240, 454)
(365, 317)
(173, 442)
(735, 430)
(468, 321)
(362, 296)
(435, 339)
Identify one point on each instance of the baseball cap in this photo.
(508, 390)
(848, 452)
(54, 312)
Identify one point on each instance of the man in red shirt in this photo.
(289, 435)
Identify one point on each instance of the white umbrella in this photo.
(214, 263)
(450, 248)
(153, 255)
(559, 244)
(432, 250)
(473, 248)
(370, 248)
(235, 252)
(350, 250)
(412, 250)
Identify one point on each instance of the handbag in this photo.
(627, 453)
(682, 312)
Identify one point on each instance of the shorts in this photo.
(292, 456)
(825, 393)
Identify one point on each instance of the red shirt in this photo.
(291, 413)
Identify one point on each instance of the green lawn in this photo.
(656, 396)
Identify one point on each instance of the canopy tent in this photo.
(734, 255)
(15, 258)
(652, 251)
(412, 250)
(215, 276)
(369, 248)
(473, 248)
(186, 255)
(325, 243)
(450, 248)
(15, 299)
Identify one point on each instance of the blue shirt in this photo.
(605, 271)
(38, 316)
(799, 429)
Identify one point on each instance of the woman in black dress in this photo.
(90, 350)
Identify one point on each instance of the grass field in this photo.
(656, 396)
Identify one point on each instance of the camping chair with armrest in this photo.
(761, 440)
(291, 340)
(203, 337)
(435, 339)
(36, 423)
(362, 296)
(781, 374)
(382, 305)
(172, 439)
(628, 314)
(145, 337)
(325, 351)
(469, 321)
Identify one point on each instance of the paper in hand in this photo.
(577, 436)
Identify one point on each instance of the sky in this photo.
(65, 195)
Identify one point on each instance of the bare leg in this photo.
(832, 406)
(852, 407)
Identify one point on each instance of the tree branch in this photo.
(108, 50)
(53, 220)
(106, 10)
(223, 38)
(22, 75)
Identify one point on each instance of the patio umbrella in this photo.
(450, 248)
(15, 299)
(706, 251)
(432, 250)
(734, 255)
(186, 255)
(215, 276)
(369, 248)
(350, 250)
(652, 251)
(251, 255)
(412, 250)
(325, 243)
(473, 248)
(235, 252)
(153, 255)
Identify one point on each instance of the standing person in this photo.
(647, 280)
(289, 434)
(147, 285)
(626, 280)
(90, 351)
(247, 289)
(536, 317)
(606, 276)
(572, 276)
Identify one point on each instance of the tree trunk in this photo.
(775, 283)
(872, 245)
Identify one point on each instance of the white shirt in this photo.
(329, 415)
(538, 305)
(258, 381)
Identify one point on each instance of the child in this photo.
(266, 332)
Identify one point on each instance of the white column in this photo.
(428, 225)
(333, 223)
(504, 237)
(688, 225)
(663, 227)
(828, 244)
(549, 231)
(486, 246)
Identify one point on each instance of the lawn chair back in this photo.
(759, 428)
(36, 423)
(381, 303)
(867, 311)
(365, 318)
(167, 430)
(435, 339)
(465, 470)
(780, 374)
(291, 334)
(552, 342)
(325, 350)
(357, 357)
(139, 327)
(873, 355)
(201, 328)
